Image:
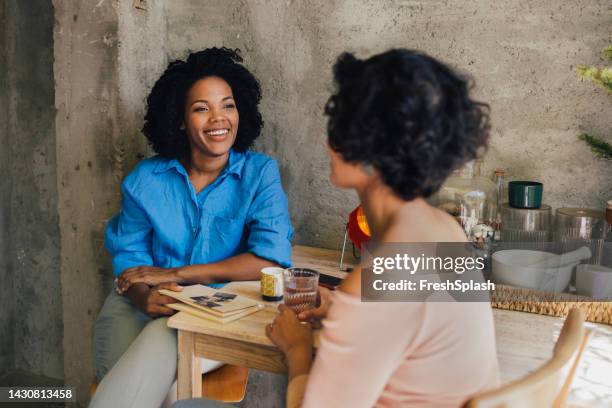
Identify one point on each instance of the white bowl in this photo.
(514, 267)
(594, 281)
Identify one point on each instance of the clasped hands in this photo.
(151, 301)
(151, 275)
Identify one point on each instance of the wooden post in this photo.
(189, 375)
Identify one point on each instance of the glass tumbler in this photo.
(300, 288)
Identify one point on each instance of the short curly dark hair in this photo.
(166, 102)
(407, 115)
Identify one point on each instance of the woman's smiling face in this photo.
(211, 116)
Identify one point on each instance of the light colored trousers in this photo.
(135, 357)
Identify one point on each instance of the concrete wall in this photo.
(90, 155)
(6, 288)
(29, 192)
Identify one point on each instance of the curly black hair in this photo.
(407, 115)
(166, 102)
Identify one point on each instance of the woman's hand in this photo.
(154, 303)
(289, 334)
(151, 275)
(323, 304)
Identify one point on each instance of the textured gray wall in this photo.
(31, 190)
(90, 155)
(6, 286)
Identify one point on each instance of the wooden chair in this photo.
(93, 387)
(549, 385)
(226, 383)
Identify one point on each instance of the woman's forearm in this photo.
(237, 268)
(299, 361)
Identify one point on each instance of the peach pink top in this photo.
(430, 354)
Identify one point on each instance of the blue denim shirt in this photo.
(164, 223)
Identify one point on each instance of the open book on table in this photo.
(212, 304)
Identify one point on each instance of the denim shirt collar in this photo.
(234, 165)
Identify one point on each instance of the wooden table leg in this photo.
(189, 375)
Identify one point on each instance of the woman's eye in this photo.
(201, 109)
(230, 106)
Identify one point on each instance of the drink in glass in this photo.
(300, 288)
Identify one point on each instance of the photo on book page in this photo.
(214, 300)
(211, 300)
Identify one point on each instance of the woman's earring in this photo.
(368, 169)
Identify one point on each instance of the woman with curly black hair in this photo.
(205, 210)
(399, 123)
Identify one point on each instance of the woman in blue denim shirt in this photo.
(204, 210)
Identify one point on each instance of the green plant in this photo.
(603, 77)
(600, 147)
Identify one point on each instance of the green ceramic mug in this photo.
(525, 194)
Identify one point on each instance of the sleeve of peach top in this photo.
(361, 345)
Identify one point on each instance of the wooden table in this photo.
(243, 342)
(524, 341)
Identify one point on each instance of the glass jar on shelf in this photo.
(576, 227)
(500, 188)
(471, 198)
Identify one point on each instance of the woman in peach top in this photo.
(399, 123)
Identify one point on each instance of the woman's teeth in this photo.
(219, 132)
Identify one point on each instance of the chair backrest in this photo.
(549, 385)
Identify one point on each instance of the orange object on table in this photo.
(358, 228)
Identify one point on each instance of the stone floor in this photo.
(265, 390)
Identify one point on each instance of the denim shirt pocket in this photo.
(226, 236)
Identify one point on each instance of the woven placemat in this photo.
(549, 303)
